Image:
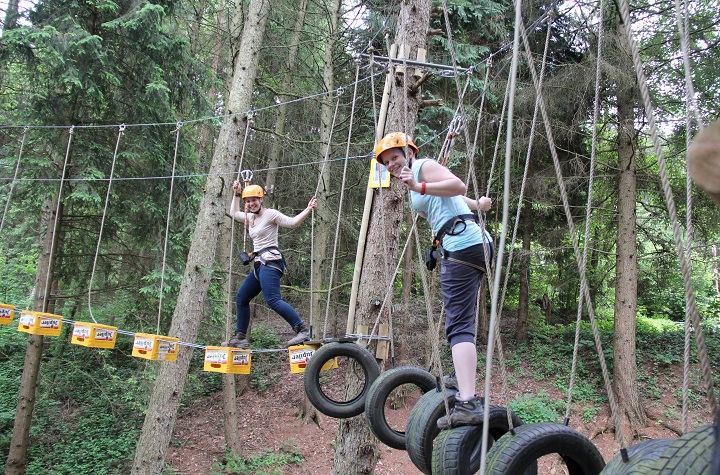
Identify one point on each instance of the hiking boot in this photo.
(450, 383)
(302, 333)
(239, 340)
(465, 413)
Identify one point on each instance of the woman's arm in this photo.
(484, 201)
(439, 181)
(288, 222)
(237, 208)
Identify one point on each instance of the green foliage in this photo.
(588, 413)
(537, 408)
(269, 462)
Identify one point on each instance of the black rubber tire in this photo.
(691, 453)
(313, 389)
(422, 428)
(512, 454)
(457, 451)
(641, 457)
(378, 395)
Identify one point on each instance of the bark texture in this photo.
(163, 405)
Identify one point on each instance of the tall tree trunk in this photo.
(624, 354)
(355, 446)
(524, 261)
(17, 453)
(277, 145)
(163, 405)
(11, 15)
(224, 256)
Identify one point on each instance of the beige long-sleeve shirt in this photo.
(263, 227)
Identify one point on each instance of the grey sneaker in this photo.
(465, 413)
(239, 340)
(302, 333)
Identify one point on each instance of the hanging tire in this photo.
(380, 392)
(641, 457)
(512, 454)
(691, 453)
(328, 391)
(422, 428)
(457, 451)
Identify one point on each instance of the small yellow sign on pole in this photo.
(379, 175)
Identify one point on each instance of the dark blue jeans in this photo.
(267, 281)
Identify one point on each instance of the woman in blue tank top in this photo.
(439, 196)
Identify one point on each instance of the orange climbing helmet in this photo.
(394, 140)
(253, 191)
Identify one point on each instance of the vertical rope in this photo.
(341, 201)
(503, 235)
(588, 207)
(614, 410)
(687, 278)
(57, 214)
(167, 225)
(14, 180)
(228, 304)
(121, 132)
(690, 109)
(312, 219)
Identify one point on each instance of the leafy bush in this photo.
(269, 462)
(537, 408)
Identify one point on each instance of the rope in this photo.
(167, 225)
(216, 118)
(57, 216)
(121, 130)
(588, 208)
(14, 180)
(687, 278)
(312, 226)
(341, 201)
(501, 359)
(501, 245)
(690, 109)
(228, 305)
(583, 278)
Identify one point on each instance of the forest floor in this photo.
(269, 421)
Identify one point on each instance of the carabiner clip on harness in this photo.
(451, 229)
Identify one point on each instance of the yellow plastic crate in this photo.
(39, 323)
(7, 313)
(94, 335)
(222, 359)
(299, 356)
(155, 347)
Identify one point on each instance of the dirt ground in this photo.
(269, 420)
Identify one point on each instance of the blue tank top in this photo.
(438, 210)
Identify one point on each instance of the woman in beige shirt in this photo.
(268, 263)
